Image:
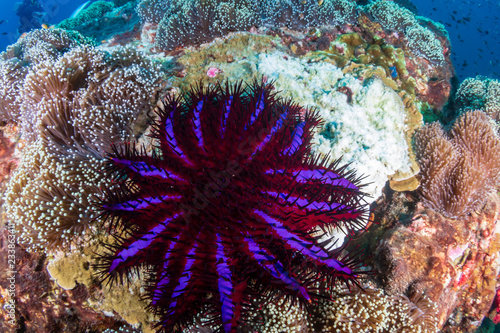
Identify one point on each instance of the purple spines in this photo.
(274, 129)
(323, 175)
(197, 123)
(163, 278)
(259, 106)
(308, 204)
(274, 267)
(146, 170)
(141, 203)
(225, 114)
(226, 288)
(302, 246)
(134, 247)
(169, 137)
(169, 130)
(185, 277)
(296, 139)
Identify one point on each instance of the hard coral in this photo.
(479, 93)
(421, 40)
(459, 170)
(95, 10)
(370, 311)
(227, 201)
(183, 22)
(187, 22)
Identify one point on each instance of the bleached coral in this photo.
(368, 133)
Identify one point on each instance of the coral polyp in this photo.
(230, 197)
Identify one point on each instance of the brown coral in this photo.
(459, 170)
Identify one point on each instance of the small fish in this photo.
(45, 26)
(2, 21)
(320, 2)
(4, 33)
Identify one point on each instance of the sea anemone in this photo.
(227, 200)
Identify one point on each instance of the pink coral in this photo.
(213, 71)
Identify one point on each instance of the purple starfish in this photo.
(228, 197)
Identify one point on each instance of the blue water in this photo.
(55, 11)
(474, 28)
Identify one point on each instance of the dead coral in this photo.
(459, 170)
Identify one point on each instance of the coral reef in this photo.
(421, 40)
(183, 23)
(187, 22)
(229, 200)
(70, 106)
(95, 10)
(370, 311)
(479, 93)
(373, 73)
(458, 172)
(43, 307)
(452, 261)
(101, 20)
(358, 310)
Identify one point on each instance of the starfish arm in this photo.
(274, 267)
(307, 248)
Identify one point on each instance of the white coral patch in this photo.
(368, 132)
